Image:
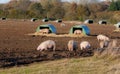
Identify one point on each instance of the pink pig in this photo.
(102, 38)
(85, 45)
(72, 45)
(77, 32)
(46, 45)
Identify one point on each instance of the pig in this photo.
(44, 31)
(77, 32)
(85, 45)
(102, 38)
(72, 45)
(108, 44)
(112, 43)
(48, 44)
(104, 44)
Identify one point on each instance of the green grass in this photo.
(89, 65)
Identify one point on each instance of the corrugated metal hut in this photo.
(3, 18)
(51, 28)
(85, 30)
(59, 20)
(89, 21)
(33, 19)
(102, 22)
(45, 20)
(117, 25)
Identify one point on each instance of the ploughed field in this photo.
(18, 48)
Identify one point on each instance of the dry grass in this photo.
(89, 65)
(56, 35)
(116, 30)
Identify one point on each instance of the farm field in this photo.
(88, 65)
(18, 48)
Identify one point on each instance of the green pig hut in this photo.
(51, 28)
(85, 30)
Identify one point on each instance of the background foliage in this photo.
(26, 9)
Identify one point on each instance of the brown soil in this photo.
(18, 48)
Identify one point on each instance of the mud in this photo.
(18, 48)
